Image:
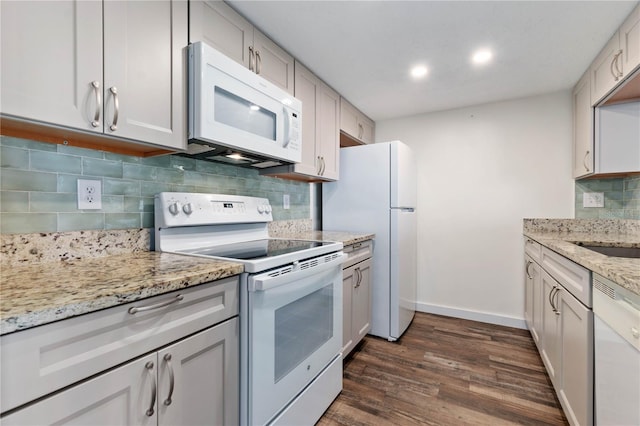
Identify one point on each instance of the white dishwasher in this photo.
(617, 354)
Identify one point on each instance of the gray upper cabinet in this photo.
(112, 68)
(357, 127)
(218, 25)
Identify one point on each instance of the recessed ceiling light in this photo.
(419, 71)
(482, 56)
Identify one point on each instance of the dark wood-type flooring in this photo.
(446, 371)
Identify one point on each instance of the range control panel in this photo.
(189, 209)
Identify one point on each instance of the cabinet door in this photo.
(361, 301)
(582, 128)
(630, 42)
(575, 340)
(306, 89)
(550, 351)
(119, 397)
(348, 282)
(218, 25)
(532, 297)
(272, 62)
(144, 90)
(349, 119)
(368, 129)
(51, 52)
(603, 72)
(199, 377)
(537, 305)
(327, 131)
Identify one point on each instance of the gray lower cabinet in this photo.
(356, 288)
(167, 360)
(559, 316)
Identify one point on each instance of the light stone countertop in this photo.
(344, 237)
(39, 293)
(560, 235)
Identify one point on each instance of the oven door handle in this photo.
(266, 281)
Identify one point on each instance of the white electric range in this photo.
(290, 301)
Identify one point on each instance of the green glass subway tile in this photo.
(632, 194)
(139, 172)
(150, 189)
(14, 158)
(206, 190)
(20, 180)
(147, 220)
(106, 168)
(120, 187)
(631, 204)
(200, 179)
(632, 214)
(611, 213)
(208, 167)
(27, 144)
(52, 202)
(600, 185)
(122, 158)
(156, 161)
(55, 162)
(122, 220)
(112, 204)
(14, 201)
(631, 183)
(170, 175)
(587, 214)
(24, 223)
(247, 173)
(188, 188)
(80, 152)
(69, 183)
(612, 204)
(182, 163)
(80, 221)
(138, 204)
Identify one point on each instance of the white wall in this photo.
(481, 170)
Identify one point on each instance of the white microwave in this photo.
(238, 117)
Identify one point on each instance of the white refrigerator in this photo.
(377, 193)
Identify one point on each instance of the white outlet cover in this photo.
(593, 199)
(89, 194)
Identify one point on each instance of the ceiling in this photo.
(364, 49)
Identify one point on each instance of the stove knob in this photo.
(187, 209)
(260, 209)
(174, 209)
(267, 208)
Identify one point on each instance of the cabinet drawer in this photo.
(43, 359)
(533, 249)
(357, 252)
(573, 277)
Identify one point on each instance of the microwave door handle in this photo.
(287, 127)
(264, 282)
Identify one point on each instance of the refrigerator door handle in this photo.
(405, 209)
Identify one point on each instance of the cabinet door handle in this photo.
(527, 269)
(167, 359)
(134, 309)
(251, 58)
(358, 276)
(116, 108)
(149, 367)
(324, 166)
(614, 63)
(555, 305)
(258, 62)
(584, 161)
(319, 166)
(96, 90)
(550, 298)
(360, 131)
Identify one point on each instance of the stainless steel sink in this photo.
(630, 252)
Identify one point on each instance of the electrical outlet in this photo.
(286, 202)
(89, 194)
(593, 199)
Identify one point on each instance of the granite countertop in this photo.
(623, 271)
(34, 294)
(344, 237)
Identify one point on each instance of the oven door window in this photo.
(295, 330)
(301, 327)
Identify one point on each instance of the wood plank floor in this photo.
(446, 371)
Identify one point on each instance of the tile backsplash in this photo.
(38, 187)
(621, 198)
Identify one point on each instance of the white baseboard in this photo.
(471, 315)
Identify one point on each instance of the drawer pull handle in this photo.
(167, 359)
(134, 309)
(150, 411)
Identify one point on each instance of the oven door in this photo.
(295, 330)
